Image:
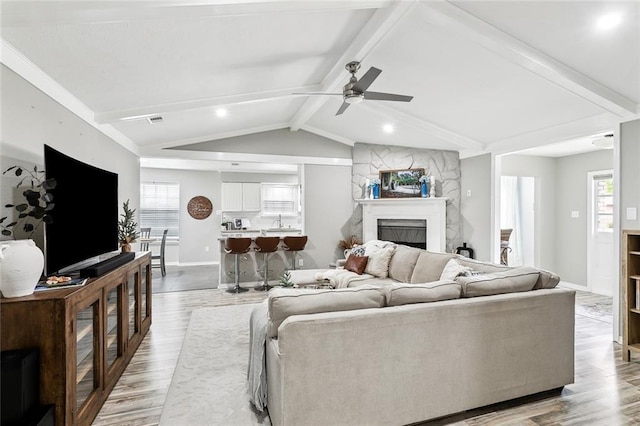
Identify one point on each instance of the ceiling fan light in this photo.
(354, 99)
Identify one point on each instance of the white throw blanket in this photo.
(341, 278)
(257, 371)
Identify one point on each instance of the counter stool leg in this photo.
(265, 284)
(237, 288)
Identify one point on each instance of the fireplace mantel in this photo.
(432, 209)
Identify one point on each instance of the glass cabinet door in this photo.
(114, 340)
(145, 297)
(86, 352)
(133, 302)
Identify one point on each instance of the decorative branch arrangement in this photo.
(38, 204)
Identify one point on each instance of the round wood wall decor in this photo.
(199, 207)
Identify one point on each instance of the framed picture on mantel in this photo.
(401, 183)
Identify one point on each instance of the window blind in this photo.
(160, 208)
(279, 199)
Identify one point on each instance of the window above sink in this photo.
(280, 199)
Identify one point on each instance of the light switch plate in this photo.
(632, 213)
(575, 214)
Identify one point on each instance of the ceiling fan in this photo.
(355, 91)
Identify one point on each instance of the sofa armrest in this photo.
(340, 263)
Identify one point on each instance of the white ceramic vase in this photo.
(21, 264)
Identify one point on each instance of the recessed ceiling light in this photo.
(221, 112)
(388, 128)
(609, 21)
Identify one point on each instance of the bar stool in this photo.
(266, 245)
(295, 244)
(237, 246)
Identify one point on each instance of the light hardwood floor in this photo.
(606, 389)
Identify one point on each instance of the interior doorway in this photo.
(600, 268)
(517, 205)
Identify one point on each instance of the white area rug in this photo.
(209, 385)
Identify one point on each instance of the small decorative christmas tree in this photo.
(127, 228)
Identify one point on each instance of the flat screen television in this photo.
(85, 214)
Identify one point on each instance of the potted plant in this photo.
(285, 280)
(22, 261)
(348, 243)
(127, 228)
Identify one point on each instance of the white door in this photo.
(600, 268)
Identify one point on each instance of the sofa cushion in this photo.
(284, 302)
(453, 269)
(402, 263)
(356, 264)
(478, 265)
(373, 281)
(379, 257)
(546, 279)
(514, 280)
(404, 294)
(429, 266)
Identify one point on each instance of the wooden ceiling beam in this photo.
(382, 21)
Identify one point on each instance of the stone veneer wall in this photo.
(369, 159)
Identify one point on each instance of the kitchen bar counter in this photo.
(266, 232)
(253, 261)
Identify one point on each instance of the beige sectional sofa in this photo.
(415, 345)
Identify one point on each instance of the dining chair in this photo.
(160, 257)
(144, 233)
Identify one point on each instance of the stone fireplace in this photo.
(416, 221)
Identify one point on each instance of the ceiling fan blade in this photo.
(315, 93)
(366, 80)
(343, 107)
(378, 96)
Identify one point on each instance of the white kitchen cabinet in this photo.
(251, 197)
(240, 196)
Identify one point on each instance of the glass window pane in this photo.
(279, 199)
(133, 306)
(113, 331)
(85, 353)
(160, 208)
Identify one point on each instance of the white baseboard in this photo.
(197, 263)
(573, 286)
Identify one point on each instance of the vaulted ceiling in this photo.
(496, 76)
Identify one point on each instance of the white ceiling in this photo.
(498, 76)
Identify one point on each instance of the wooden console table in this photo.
(86, 336)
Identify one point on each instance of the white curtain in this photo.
(511, 217)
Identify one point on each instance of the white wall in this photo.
(626, 160)
(543, 169)
(31, 119)
(195, 235)
(629, 172)
(476, 209)
(327, 209)
(572, 195)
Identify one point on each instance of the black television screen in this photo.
(85, 214)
